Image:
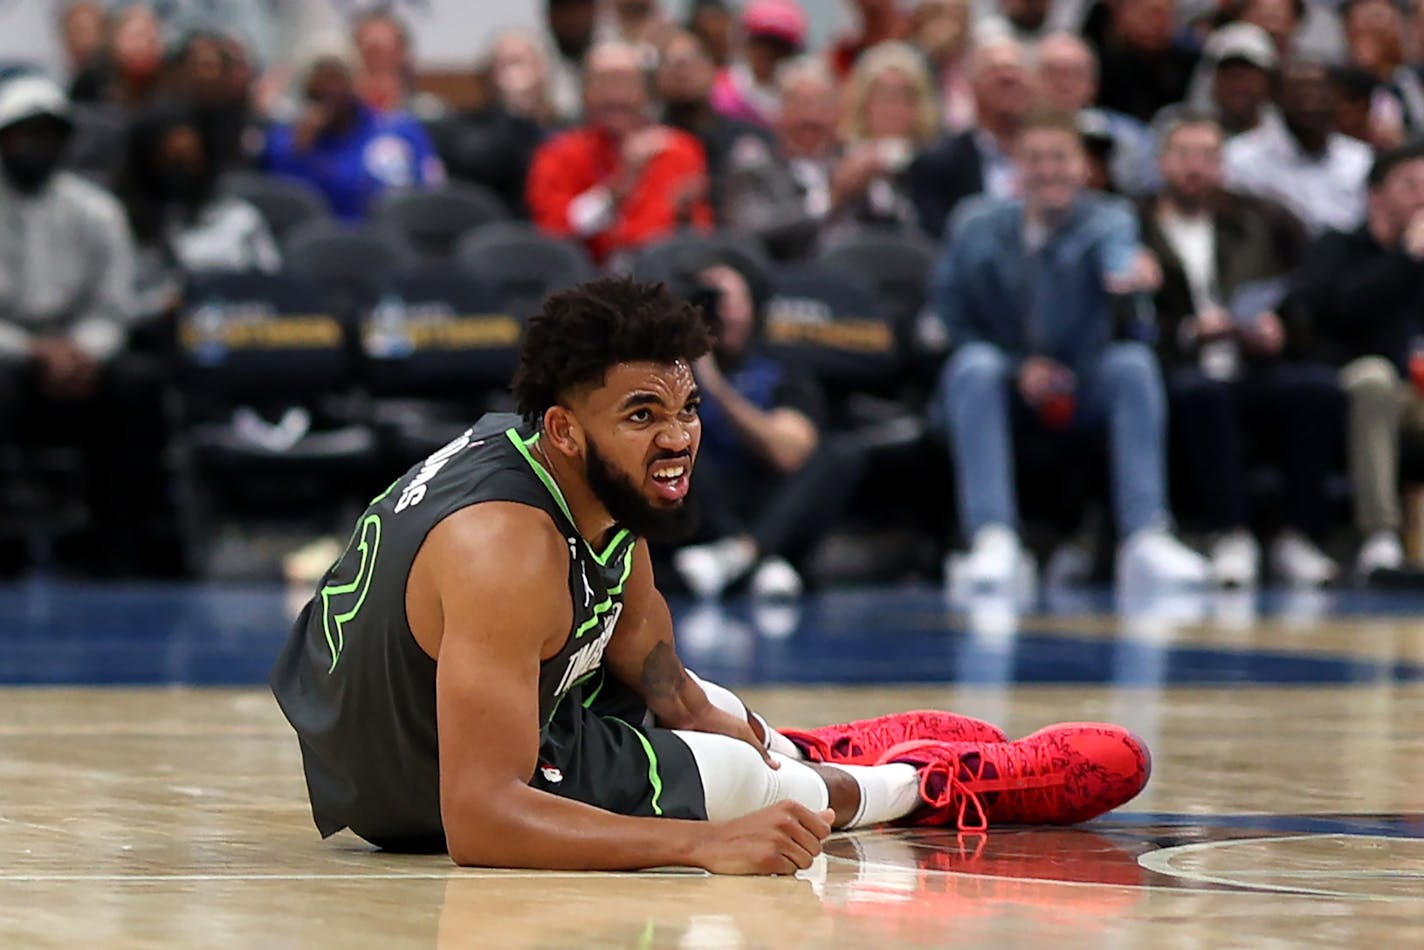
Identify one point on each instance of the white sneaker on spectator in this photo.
(1152, 558)
(708, 569)
(1381, 551)
(1236, 560)
(994, 562)
(775, 579)
(1296, 560)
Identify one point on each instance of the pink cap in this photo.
(782, 19)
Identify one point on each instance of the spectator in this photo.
(1068, 82)
(1026, 21)
(1375, 36)
(1142, 69)
(66, 286)
(880, 20)
(1298, 159)
(969, 162)
(1365, 290)
(1233, 81)
(939, 29)
(773, 31)
(890, 116)
(385, 77)
(130, 72)
(348, 151)
(221, 106)
(769, 485)
(518, 76)
(1279, 19)
(1024, 287)
(711, 22)
(784, 198)
(494, 145)
(1234, 378)
(1354, 92)
(571, 28)
(180, 225)
(639, 24)
(620, 180)
(684, 80)
(84, 31)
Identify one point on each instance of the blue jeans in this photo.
(1122, 390)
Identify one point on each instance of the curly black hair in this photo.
(584, 332)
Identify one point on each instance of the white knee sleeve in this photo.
(727, 701)
(736, 781)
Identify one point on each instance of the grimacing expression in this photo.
(641, 433)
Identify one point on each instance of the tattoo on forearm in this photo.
(662, 674)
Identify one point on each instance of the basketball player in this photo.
(489, 670)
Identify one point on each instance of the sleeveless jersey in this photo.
(354, 683)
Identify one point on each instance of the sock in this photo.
(887, 792)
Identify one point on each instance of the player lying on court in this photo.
(489, 668)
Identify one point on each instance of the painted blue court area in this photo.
(53, 633)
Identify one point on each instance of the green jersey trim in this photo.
(654, 778)
(367, 538)
(553, 488)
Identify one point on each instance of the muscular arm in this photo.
(498, 619)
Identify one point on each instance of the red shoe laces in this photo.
(1029, 774)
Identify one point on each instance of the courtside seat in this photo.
(523, 263)
(433, 220)
(284, 203)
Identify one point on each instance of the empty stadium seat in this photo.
(899, 265)
(439, 349)
(351, 262)
(522, 262)
(664, 259)
(284, 203)
(264, 378)
(432, 221)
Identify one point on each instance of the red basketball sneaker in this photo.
(863, 742)
(1061, 775)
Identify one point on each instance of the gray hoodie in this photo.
(66, 255)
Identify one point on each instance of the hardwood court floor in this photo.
(1278, 815)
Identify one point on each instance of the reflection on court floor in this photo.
(167, 807)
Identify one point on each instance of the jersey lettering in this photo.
(589, 656)
(414, 493)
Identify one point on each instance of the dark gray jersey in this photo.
(354, 683)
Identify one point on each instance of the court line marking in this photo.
(1161, 861)
(453, 875)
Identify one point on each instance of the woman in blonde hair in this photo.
(889, 114)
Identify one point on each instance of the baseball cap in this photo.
(1243, 41)
(28, 97)
(780, 19)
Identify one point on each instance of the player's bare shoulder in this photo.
(490, 560)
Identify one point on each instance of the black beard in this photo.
(627, 506)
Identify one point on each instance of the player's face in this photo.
(642, 433)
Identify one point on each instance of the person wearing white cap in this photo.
(1232, 83)
(66, 302)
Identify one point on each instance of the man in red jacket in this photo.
(620, 180)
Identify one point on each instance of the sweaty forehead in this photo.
(670, 382)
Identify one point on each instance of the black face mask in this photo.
(30, 165)
(631, 510)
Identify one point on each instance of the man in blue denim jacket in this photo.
(1025, 288)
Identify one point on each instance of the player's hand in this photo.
(782, 839)
(722, 723)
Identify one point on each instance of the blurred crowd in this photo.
(1177, 257)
